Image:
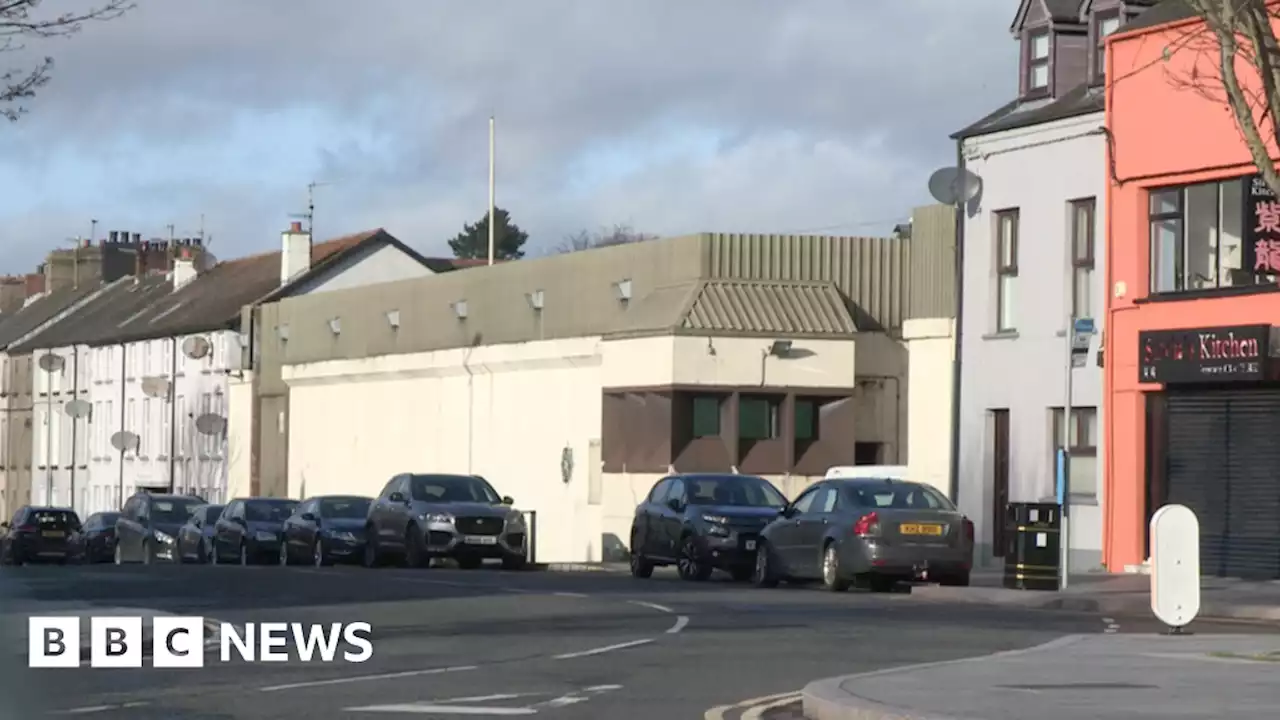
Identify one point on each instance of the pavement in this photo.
(578, 644)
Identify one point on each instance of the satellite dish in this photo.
(124, 440)
(211, 424)
(155, 387)
(51, 363)
(954, 186)
(78, 408)
(195, 347)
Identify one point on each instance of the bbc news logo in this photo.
(179, 642)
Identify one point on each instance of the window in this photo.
(806, 426)
(758, 417)
(1104, 25)
(1006, 267)
(1083, 213)
(145, 439)
(706, 416)
(1083, 431)
(805, 501)
(1038, 46)
(1198, 238)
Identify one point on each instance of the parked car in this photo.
(420, 517)
(872, 532)
(147, 529)
(195, 538)
(701, 522)
(249, 529)
(39, 534)
(323, 530)
(97, 539)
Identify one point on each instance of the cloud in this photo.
(671, 115)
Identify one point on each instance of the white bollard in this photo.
(1175, 566)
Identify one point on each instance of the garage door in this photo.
(1224, 463)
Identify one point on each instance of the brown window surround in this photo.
(1039, 70)
(1104, 23)
(1083, 223)
(1006, 268)
(715, 428)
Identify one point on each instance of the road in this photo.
(452, 643)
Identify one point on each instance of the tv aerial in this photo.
(124, 441)
(195, 347)
(954, 186)
(211, 424)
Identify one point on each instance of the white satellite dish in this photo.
(51, 363)
(211, 424)
(155, 387)
(124, 440)
(78, 408)
(954, 186)
(195, 347)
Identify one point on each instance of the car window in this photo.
(268, 510)
(212, 513)
(900, 496)
(675, 491)
(805, 501)
(827, 500)
(341, 508)
(451, 488)
(172, 510)
(659, 491)
(739, 490)
(55, 519)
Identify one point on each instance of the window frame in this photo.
(1034, 63)
(694, 400)
(773, 407)
(1083, 262)
(1080, 417)
(1223, 212)
(1099, 45)
(1005, 270)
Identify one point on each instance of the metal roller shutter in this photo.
(1224, 464)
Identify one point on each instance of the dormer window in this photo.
(1103, 25)
(1038, 62)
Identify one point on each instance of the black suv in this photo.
(39, 534)
(147, 529)
(702, 522)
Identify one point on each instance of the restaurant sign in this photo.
(1261, 227)
(1204, 355)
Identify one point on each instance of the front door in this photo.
(788, 536)
(999, 479)
(811, 531)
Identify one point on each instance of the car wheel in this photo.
(414, 556)
(146, 553)
(469, 563)
(690, 566)
(763, 576)
(284, 554)
(202, 553)
(513, 562)
(831, 577)
(119, 558)
(318, 557)
(215, 553)
(640, 566)
(244, 553)
(371, 557)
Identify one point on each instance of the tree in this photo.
(603, 237)
(473, 242)
(20, 21)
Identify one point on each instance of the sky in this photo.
(670, 116)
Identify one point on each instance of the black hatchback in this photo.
(701, 522)
(39, 534)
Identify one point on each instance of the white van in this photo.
(874, 472)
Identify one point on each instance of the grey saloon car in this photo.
(870, 532)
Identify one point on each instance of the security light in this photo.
(780, 348)
(535, 299)
(623, 289)
(335, 326)
(393, 319)
(460, 309)
(282, 332)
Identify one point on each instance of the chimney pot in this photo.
(295, 227)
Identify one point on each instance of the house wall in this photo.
(931, 350)
(16, 431)
(61, 463)
(1037, 170)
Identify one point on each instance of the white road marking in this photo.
(652, 606)
(718, 712)
(101, 708)
(680, 623)
(755, 712)
(520, 591)
(424, 709)
(1109, 621)
(605, 649)
(368, 678)
(601, 688)
(484, 698)
(572, 594)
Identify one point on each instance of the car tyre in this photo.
(372, 557)
(202, 552)
(831, 578)
(215, 553)
(147, 552)
(762, 576)
(285, 560)
(244, 553)
(689, 566)
(414, 554)
(640, 566)
(318, 556)
(118, 556)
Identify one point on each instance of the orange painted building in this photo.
(1192, 402)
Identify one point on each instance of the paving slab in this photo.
(1078, 677)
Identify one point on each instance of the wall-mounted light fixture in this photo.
(393, 319)
(282, 332)
(335, 326)
(460, 309)
(780, 348)
(623, 290)
(535, 299)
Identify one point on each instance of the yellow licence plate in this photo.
(918, 529)
(52, 533)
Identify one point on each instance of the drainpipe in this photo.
(173, 413)
(75, 421)
(959, 325)
(124, 369)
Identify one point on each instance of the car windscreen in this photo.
(54, 519)
(738, 490)
(108, 520)
(171, 511)
(451, 489)
(899, 496)
(212, 513)
(344, 508)
(268, 510)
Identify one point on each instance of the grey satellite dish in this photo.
(51, 363)
(124, 440)
(78, 408)
(211, 424)
(155, 387)
(954, 186)
(195, 347)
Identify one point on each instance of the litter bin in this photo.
(1032, 559)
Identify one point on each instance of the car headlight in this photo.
(515, 521)
(342, 536)
(444, 518)
(264, 536)
(716, 519)
(163, 537)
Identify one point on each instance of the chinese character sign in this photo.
(1262, 226)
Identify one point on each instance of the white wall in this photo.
(1038, 170)
(386, 263)
(690, 360)
(930, 347)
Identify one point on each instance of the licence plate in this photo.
(919, 529)
(750, 545)
(480, 540)
(53, 533)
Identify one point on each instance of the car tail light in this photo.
(968, 529)
(868, 524)
(28, 528)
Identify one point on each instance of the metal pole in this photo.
(958, 330)
(491, 190)
(173, 416)
(48, 437)
(75, 421)
(1064, 534)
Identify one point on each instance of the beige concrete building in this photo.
(573, 382)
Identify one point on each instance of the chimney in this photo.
(184, 269)
(113, 237)
(35, 282)
(295, 253)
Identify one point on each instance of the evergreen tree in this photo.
(473, 242)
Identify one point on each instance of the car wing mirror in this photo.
(397, 497)
(786, 512)
(309, 517)
(507, 500)
(674, 504)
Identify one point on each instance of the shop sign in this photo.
(1203, 355)
(1261, 227)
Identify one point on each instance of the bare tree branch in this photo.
(603, 237)
(20, 20)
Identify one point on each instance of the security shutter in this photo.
(1224, 464)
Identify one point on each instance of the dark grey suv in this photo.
(419, 517)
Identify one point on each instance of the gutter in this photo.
(954, 489)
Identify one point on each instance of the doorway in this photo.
(999, 479)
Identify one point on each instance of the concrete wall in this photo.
(1038, 170)
(931, 348)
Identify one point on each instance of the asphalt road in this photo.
(450, 643)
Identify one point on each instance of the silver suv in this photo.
(419, 517)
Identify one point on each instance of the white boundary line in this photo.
(756, 712)
(603, 650)
(718, 712)
(368, 678)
